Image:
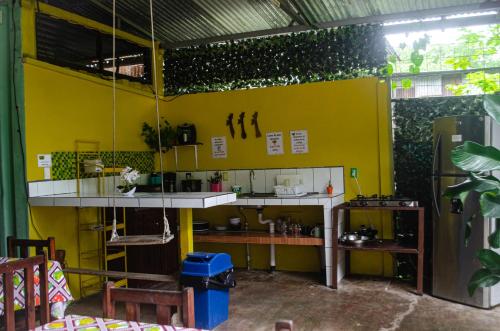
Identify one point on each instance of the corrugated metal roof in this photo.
(180, 21)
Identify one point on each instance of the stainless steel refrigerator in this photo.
(453, 261)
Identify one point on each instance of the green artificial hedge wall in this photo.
(323, 55)
(413, 120)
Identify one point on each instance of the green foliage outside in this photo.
(474, 52)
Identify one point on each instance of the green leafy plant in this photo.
(167, 136)
(321, 55)
(480, 161)
(216, 178)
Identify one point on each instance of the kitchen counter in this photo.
(139, 200)
(308, 200)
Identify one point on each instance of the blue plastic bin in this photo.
(211, 276)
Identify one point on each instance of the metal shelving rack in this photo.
(103, 255)
(384, 245)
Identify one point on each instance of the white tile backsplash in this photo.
(242, 178)
(271, 179)
(337, 175)
(321, 179)
(259, 182)
(288, 171)
(307, 178)
(228, 180)
(60, 186)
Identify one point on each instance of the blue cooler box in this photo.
(211, 276)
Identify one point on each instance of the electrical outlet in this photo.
(354, 172)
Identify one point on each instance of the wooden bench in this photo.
(164, 301)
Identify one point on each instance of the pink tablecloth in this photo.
(76, 322)
(58, 288)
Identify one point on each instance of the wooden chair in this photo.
(283, 325)
(25, 244)
(164, 301)
(7, 271)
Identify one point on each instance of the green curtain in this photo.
(13, 190)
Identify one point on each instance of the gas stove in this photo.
(382, 201)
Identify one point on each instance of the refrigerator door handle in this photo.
(434, 158)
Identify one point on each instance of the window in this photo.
(69, 45)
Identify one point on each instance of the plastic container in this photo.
(211, 276)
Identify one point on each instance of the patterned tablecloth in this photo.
(59, 294)
(76, 322)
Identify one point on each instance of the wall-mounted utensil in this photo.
(256, 125)
(241, 121)
(229, 123)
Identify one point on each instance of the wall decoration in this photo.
(229, 123)
(64, 163)
(241, 122)
(255, 123)
(299, 142)
(219, 147)
(274, 143)
(345, 52)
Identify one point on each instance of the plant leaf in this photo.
(482, 278)
(472, 156)
(489, 259)
(494, 238)
(406, 83)
(490, 204)
(491, 104)
(473, 183)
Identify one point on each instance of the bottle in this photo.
(329, 188)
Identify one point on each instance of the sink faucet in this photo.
(252, 177)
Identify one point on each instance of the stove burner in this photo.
(382, 201)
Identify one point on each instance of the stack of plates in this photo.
(200, 226)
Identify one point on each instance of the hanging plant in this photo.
(167, 136)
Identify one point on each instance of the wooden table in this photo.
(77, 322)
(385, 245)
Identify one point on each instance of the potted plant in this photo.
(216, 182)
(128, 180)
(167, 136)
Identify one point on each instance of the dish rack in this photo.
(289, 191)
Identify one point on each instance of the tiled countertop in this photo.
(145, 200)
(179, 200)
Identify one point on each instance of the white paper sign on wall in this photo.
(300, 144)
(274, 143)
(219, 147)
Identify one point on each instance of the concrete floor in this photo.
(360, 304)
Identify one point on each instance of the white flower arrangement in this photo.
(128, 178)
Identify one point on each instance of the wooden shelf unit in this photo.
(384, 245)
(260, 238)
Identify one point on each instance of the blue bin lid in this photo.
(203, 264)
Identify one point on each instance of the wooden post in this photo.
(186, 232)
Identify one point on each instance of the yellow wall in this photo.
(61, 107)
(348, 123)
